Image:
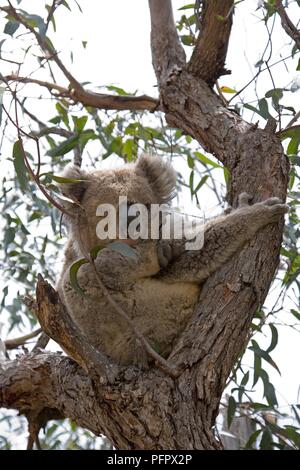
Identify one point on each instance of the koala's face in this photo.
(150, 181)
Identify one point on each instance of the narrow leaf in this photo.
(124, 249)
(231, 410)
(73, 276)
(19, 165)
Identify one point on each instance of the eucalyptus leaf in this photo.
(73, 276)
(19, 164)
(124, 249)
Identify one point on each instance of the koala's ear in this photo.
(74, 190)
(160, 175)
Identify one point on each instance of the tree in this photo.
(154, 409)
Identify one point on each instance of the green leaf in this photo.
(63, 113)
(19, 164)
(204, 159)
(244, 382)
(187, 39)
(2, 90)
(64, 147)
(187, 7)
(123, 249)
(36, 21)
(293, 146)
(227, 89)
(231, 410)
(292, 434)
(269, 390)
(79, 123)
(257, 368)
(200, 184)
(266, 440)
(9, 236)
(191, 162)
(226, 175)
(263, 354)
(255, 110)
(276, 94)
(252, 439)
(264, 109)
(94, 252)
(296, 314)
(292, 132)
(118, 90)
(61, 179)
(129, 149)
(11, 27)
(65, 4)
(274, 339)
(73, 276)
(85, 136)
(191, 183)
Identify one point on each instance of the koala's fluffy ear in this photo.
(74, 190)
(160, 175)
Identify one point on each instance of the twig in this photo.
(292, 121)
(21, 340)
(34, 176)
(42, 342)
(287, 24)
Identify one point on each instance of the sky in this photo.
(118, 52)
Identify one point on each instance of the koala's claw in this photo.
(271, 201)
(275, 206)
(278, 209)
(164, 253)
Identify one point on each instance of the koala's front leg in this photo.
(223, 237)
(119, 272)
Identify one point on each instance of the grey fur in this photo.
(160, 287)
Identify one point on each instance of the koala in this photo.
(159, 287)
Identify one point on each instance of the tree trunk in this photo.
(149, 410)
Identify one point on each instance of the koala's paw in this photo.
(274, 207)
(164, 253)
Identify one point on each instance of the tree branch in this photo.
(168, 56)
(57, 324)
(287, 24)
(38, 381)
(76, 91)
(21, 340)
(142, 401)
(44, 44)
(209, 55)
(89, 98)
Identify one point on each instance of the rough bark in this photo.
(146, 409)
(208, 58)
